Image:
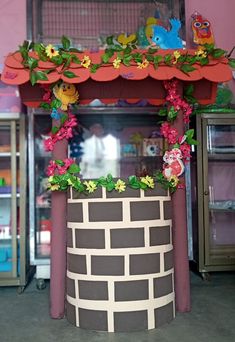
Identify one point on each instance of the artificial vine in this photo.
(115, 54)
(63, 174)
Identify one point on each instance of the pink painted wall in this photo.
(12, 26)
(221, 15)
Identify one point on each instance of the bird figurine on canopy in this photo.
(66, 93)
(202, 30)
(167, 39)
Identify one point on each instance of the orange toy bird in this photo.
(66, 93)
(202, 30)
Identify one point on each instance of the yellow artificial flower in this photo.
(116, 63)
(90, 186)
(86, 62)
(176, 55)
(174, 180)
(143, 65)
(51, 51)
(69, 182)
(201, 53)
(54, 187)
(148, 181)
(120, 186)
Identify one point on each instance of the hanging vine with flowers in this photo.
(64, 174)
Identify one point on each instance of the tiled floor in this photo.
(26, 317)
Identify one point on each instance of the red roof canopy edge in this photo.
(205, 78)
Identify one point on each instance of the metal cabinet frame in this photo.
(15, 278)
(204, 262)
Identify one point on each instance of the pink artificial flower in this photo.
(181, 139)
(47, 97)
(172, 136)
(68, 162)
(48, 144)
(181, 186)
(186, 151)
(165, 129)
(51, 168)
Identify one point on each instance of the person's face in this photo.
(97, 130)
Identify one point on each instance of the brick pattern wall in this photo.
(120, 260)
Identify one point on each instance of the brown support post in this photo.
(58, 242)
(180, 240)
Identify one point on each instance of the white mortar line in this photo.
(119, 199)
(121, 251)
(107, 239)
(119, 306)
(146, 236)
(74, 238)
(85, 213)
(77, 297)
(110, 310)
(127, 266)
(88, 264)
(119, 224)
(151, 276)
(161, 211)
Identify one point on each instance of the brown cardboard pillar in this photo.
(58, 242)
(180, 241)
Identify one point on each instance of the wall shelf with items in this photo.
(14, 257)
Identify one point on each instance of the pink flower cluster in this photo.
(65, 132)
(55, 168)
(176, 101)
(48, 93)
(186, 151)
(170, 133)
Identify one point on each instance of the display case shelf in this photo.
(9, 195)
(214, 219)
(8, 154)
(14, 262)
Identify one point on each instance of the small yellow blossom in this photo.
(174, 180)
(148, 181)
(54, 187)
(90, 186)
(50, 179)
(70, 182)
(201, 53)
(120, 186)
(176, 55)
(51, 51)
(86, 62)
(116, 63)
(143, 65)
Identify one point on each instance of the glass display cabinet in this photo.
(215, 195)
(14, 248)
(121, 141)
(39, 127)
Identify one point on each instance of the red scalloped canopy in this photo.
(215, 72)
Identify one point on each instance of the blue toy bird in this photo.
(167, 39)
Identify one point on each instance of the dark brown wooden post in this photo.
(180, 239)
(58, 242)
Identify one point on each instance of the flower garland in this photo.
(64, 131)
(115, 54)
(180, 151)
(63, 174)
